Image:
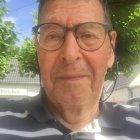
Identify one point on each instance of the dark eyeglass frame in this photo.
(107, 28)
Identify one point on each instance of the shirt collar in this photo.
(38, 110)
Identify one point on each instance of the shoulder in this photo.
(16, 104)
(128, 110)
(125, 110)
(12, 109)
(125, 113)
(18, 122)
(120, 120)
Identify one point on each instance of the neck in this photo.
(74, 117)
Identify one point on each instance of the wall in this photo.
(19, 89)
(122, 95)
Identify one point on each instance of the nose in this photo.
(70, 50)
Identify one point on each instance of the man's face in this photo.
(70, 75)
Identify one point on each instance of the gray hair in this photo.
(103, 2)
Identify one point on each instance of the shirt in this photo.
(28, 118)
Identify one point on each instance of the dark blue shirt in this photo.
(28, 118)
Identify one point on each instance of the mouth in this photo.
(71, 77)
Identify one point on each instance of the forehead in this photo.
(73, 10)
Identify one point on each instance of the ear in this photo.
(113, 36)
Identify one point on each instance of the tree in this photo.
(125, 15)
(27, 61)
(126, 18)
(8, 41)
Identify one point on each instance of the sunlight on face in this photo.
(71, 75)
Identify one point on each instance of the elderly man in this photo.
(74, 42)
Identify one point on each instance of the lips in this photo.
(71, 77)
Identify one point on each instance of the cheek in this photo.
(98, 63)
(46, 63)
(99, 69)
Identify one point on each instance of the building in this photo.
(126, 87)
(14, 84)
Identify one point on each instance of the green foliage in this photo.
(27, 61)
(8, 40)
(126, 21)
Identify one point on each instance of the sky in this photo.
(20, 13)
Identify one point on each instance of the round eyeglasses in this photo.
(90, 36)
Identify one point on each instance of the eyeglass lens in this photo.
(89, 36)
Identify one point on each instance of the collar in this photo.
(37, 109)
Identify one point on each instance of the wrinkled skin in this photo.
(72, 77)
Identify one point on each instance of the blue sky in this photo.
(20, 12)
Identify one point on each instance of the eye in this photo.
(53, 36)
(87, 36)
(49, 37)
